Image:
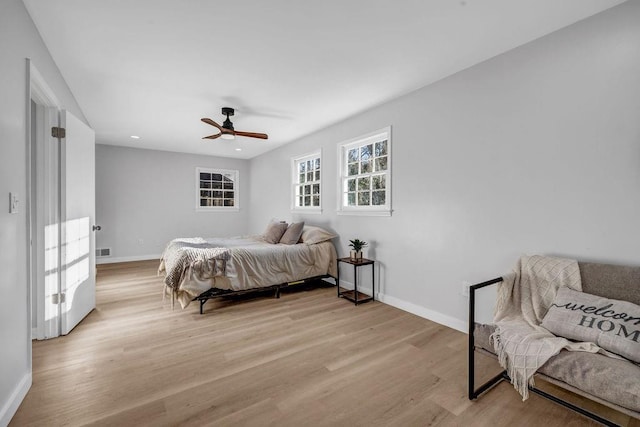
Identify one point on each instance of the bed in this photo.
(204, 268)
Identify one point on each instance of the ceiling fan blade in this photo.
(252, 134)
(211, 122)
(217, 135)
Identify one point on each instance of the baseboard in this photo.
(11, 405)
(111, 260)
(418, 310)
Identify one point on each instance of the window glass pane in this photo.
(351, 199)
(353, 169)
(306, 189)
(351, 184)
(381, 148)
(353, 155)
(363, 198)
(366, 151)
(363, 183)
(378, 182)
(215, 186)
(381, 164)
(365, 166)
(378, 197)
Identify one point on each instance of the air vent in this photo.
(102, 252)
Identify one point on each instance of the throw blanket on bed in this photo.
(524, 297)
(182, 257)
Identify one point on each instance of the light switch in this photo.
(13, 203)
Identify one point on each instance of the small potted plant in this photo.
(356, 252)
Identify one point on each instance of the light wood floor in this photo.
(306, 359)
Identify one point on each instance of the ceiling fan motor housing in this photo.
(228, 111)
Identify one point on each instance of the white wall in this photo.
(534, 151)
(19, 39)
(145, 198)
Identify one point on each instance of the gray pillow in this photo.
(293, 233)
(274, 231)
(612, 324)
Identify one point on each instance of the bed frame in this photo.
(215, 292)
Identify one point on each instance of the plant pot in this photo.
(355, 255)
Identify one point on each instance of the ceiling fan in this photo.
(227, 131)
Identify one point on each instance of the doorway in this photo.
(61, 212)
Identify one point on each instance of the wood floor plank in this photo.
(306, 359)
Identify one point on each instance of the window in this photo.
(365, 174)
(306, 189)
(217, 190)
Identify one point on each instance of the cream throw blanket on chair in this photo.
(524, 297)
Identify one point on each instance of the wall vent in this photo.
(103, 252)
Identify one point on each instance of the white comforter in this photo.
(255, 264)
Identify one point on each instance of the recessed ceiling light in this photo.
(135, 137)
(238, 149)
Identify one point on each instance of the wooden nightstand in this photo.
(353, 295)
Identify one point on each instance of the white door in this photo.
(78, 266)
(46, 222)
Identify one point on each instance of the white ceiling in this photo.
(153, 68)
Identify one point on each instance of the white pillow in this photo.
(612, 324)
(312, 235)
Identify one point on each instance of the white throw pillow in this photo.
(612, 324)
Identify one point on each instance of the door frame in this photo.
(41, 94)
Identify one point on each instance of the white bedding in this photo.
(255, 264)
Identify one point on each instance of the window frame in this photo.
(295, 161)
(343, 150)
(236, 189)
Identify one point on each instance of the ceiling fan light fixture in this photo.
(228, 136)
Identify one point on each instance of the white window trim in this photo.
(343, 148)
(294, 182)
(236, 190)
